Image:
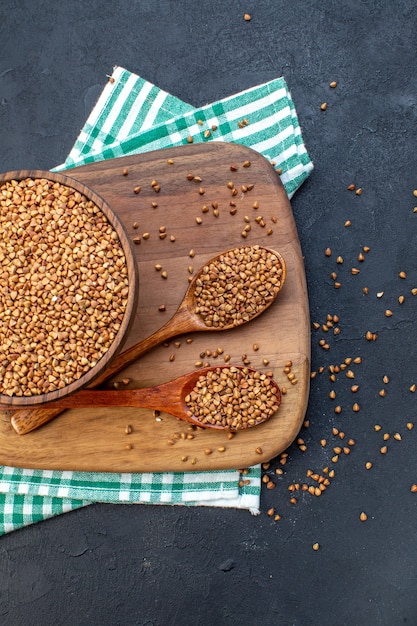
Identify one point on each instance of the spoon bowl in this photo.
(235, 287)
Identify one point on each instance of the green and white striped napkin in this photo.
(133, 116)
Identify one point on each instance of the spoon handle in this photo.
(25, 420)
(166, 397)
(181, 322)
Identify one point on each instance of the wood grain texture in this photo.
(95, 439)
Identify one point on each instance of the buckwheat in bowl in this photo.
(68, 286)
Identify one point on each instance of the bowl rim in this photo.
(133, 280)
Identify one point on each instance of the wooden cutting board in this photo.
(221, 195)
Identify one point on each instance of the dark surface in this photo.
(158, 566)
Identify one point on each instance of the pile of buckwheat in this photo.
(63, 286)
(237, 286)
(234, 398)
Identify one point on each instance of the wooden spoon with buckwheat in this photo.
(241, 397)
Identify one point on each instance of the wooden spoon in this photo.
(171, 397)
(184, 320)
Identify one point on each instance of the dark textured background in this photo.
(162, 566)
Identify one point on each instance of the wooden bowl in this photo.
(131, 299)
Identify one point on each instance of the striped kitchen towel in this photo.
(133, 116)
